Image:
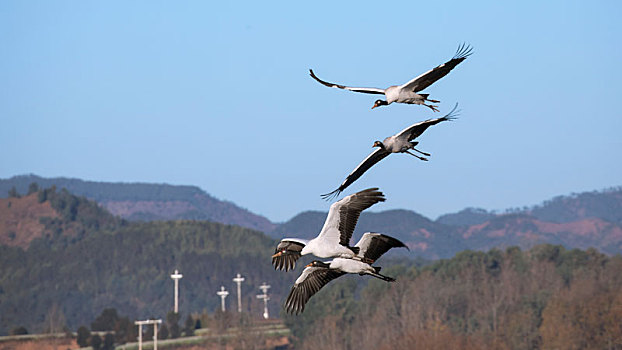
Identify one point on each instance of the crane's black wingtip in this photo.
(332, 195)
(400, 244)
(464, 50)
(312, 74)
(453, 114)
(394, 242)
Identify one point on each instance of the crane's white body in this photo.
(333, 241)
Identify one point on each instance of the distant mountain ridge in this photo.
(589, 219)
(605, 204)
(147, 202)
(527, 231)
(466, 217)
(585, 220)
(434, 240)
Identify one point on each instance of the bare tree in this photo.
(54, 320)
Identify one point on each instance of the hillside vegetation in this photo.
(87, 260)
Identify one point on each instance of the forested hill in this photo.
(129, 269)
(77, 258)
(146, 202)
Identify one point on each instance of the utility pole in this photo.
(140, 334)
(176, 277)
(222, 294)
(264, 288)
(155, 332)
(239, 279)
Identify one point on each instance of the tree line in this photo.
(544, 298)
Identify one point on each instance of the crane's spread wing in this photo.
(355, 89)
(344, 214)
(415, 130)
(286, 254)
(310, 282)
(372, 245)
(428, 78)
(367, 163)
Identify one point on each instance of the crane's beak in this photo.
(309, 265)
(277, 254)
(374, 106)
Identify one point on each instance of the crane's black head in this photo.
(378, 144)
(379, 103)
(317, 263)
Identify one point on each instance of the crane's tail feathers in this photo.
(332, 195)
(464, 50)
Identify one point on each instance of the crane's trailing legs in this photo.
(431, 106)
(412, 146)
(414, 155)
(368, 260)
(426, 99)
(424, 153)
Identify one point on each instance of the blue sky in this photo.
(218, 95)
